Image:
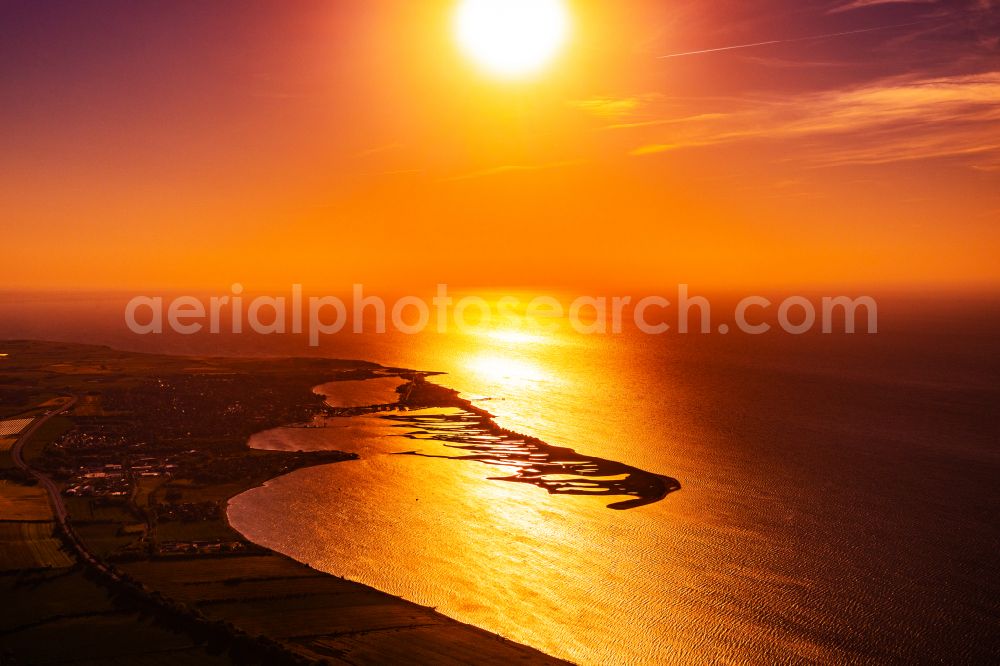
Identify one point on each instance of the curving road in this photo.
(55, 497)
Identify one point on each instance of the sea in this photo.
(839, 494)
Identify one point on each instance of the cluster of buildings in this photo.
(188, 511)
(80, 440)
(114, 481)
(201, 547)
(106, 481)
(151, 467)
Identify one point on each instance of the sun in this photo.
(512, 38)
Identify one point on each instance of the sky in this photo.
(191, 145)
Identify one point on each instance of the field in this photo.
(20, 502)
(184, 576)
(323, 617)
(104, 539)
(145, 488)
(51, 617)
(202, 530)
(189, 491)
(31, 545)
(89, 405)
(48, 432)
(80, 368)
(13, 426)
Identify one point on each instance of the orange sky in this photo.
(183, 145)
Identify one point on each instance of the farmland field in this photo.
(13, 426)
(190, 571)
(48, 617)
(20, 502)
(318, 616)
(30, 545)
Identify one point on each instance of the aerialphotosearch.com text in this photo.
(361, 312)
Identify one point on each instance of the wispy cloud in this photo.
(859, 4)
(611, 108)
(794, 40)
(652, 149)
(608, 107)
(785, 63)
(886, 121)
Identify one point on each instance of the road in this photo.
(55, 497)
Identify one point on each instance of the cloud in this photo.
(859, 4)
(793, 40)
(611, 108)
(652, 149)
(608, 107)
(896, 119)
(783, 63)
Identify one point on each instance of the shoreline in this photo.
(534, 458)
(197, 572)
(526, 653)
(197, 413)
(416, 394)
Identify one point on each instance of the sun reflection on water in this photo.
(515, 337)
(517, 359)
(553, 570)
(499, 368)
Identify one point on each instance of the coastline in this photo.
(537, 459)
(534, 459)
(490, 647)
(199, 575)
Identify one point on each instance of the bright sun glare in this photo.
(512, 38)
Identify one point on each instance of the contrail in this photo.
(795, 39)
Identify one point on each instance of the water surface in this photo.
(837, 499)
